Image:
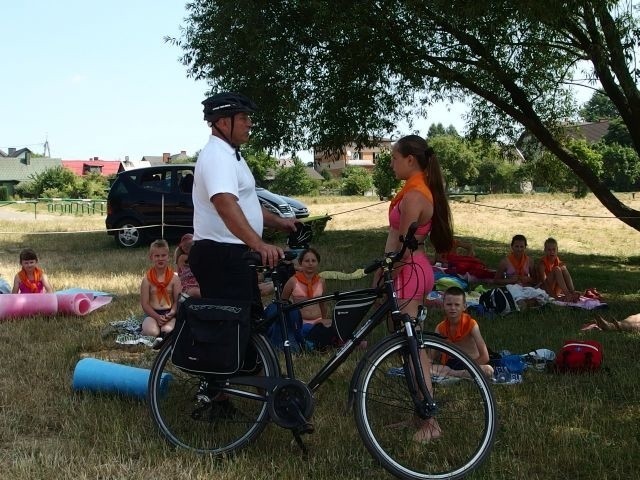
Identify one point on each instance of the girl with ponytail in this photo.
(421, 200)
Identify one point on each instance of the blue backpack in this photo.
(294, 329)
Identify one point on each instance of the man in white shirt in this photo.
(228, 218)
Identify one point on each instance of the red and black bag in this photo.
(579, 356)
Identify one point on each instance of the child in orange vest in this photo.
(31, 279)
(463, 331)
(159, 292)
(553, 275)
(305, 284)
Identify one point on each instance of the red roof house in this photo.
(93, 165)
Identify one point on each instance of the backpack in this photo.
(498, 300)
(579, 356)
(294, 329)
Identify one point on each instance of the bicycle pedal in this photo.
(297, 440)
(307, 429)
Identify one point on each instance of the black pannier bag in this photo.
(213, 335)
(348, 314)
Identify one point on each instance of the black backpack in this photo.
(498, 300)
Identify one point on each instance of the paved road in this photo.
(8, 213)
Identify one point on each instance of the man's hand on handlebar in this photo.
(270, 254)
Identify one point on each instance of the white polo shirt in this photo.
(219, 171)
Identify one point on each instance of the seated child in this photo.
(181, 257)
(517, 267)
(462, 248)
(159, 292)
(553, 275)
(31, 279)
(305, 284)
(463, 331)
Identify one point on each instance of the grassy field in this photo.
(551, 426)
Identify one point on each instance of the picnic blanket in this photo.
(584, 303)
(129, 332)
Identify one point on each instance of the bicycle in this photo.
(388, 392)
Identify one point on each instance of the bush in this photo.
(356, 181)
(384, 180)
(4, 194)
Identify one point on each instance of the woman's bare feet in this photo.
(428, 430)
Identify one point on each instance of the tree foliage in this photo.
(324, 80)
(383, 178)
(292, 180)
(259, 162)
(598, 107)
(621, 167)
(62, 182)
(618, 133)
(356, 180)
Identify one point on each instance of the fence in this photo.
(76, 206)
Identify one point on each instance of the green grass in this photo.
(551, 426)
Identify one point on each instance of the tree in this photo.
(292, 180)
(618, 133)
(457, 160)
(259, 162)
(323, 80)
(598, 107)
(53, 182)
(356, 181)
(497, 173)
(62, 182)
(621, 167)
(384, 180)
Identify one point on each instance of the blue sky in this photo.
(97, 80)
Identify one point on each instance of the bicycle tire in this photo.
(220, 426)
(384, 414)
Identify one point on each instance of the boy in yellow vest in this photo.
(159, 292)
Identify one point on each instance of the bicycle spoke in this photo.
(460, 434)
(204, 413)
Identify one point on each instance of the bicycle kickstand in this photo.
(305, 427)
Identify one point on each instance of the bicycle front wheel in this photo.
(451, 444)
(207, 413)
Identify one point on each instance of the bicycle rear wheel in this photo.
(206, 413)
(384, 413)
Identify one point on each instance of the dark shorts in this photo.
(222, 272)
(162, 311)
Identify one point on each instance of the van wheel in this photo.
(129, 235)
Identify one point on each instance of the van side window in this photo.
(157, 182)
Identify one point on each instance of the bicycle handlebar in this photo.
(255, 259)
(408, 242)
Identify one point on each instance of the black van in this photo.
(155, 202)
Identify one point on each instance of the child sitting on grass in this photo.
(159, 292)
(553, 275)
(463, 331)
(31, 279)
(181, 257)
(306, 284)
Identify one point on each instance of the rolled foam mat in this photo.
(15, 305)
(96, 375)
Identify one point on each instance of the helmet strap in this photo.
(226, 139)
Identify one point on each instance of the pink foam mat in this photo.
(17, 305)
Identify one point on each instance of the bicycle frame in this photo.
(417, 384)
